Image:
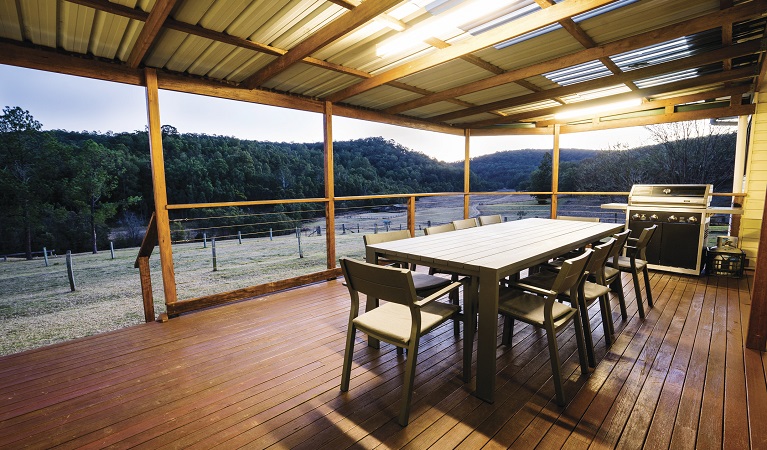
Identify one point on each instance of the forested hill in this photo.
(511, 169)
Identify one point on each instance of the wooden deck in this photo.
(266, 372)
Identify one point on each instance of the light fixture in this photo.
(598, 109)
(450, 20)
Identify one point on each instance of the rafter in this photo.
(149, 32)
(692, 26)
(658, 69)
(497, 35)
(585, 40)
(348, 22)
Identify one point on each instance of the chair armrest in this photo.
(535, 289)
(632, 239)
(438, 294)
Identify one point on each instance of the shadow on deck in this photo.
(266, 372)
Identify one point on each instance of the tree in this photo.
(20, 168)
(540, 179)
(93, 181)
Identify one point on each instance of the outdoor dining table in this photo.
(489, 254)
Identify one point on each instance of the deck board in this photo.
(264, 373)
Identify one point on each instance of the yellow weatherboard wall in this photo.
(756, 180)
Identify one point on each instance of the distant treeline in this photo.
(68, 190)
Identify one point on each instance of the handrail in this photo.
(149, 242)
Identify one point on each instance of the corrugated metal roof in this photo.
(239, 41)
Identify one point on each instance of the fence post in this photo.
(358, 228)
(375, 230)
(70, 272)
(45, 256)
(213, 250)
(239, 237)
(319, 230)
(270, 234)
(300, 250)
(112, 249)
(204, 240)
(343, 229)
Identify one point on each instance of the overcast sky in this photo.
(82, 104)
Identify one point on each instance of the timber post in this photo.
(555, 172)
(466, 173)
(159, 187)
(329, 176)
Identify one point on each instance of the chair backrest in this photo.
(383, 282)
(370, 239)
(620, 241)
(645, 237)
(488, 220)
(582, 219)
(571, 272)
(439, 229)
(465, 223)
(596, 265)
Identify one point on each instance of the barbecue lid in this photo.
(674, 194)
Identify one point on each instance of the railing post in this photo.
(555, 173)
(466, 173)
(411, 215)
(213, 251)
(146, 288)
(70, 271)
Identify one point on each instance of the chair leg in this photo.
(581, 345)
(508, 329)
(456, 321)
(348, 353)
(617, 287)
(407, 388)
(556, 370)
(587, 334)
(648, 292)
(607, 319)
(638, 294)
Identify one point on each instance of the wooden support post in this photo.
(146, 288)
(329, 173)
(555, 173)
(739, 170)
(159, 187)
(756, 338)
(70, 271)
(411, 215)
(466, 173)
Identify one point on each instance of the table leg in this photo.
(488, 334)
(470, 294)
(372, 257)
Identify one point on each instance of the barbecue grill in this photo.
(682, 213)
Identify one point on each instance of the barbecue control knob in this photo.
(654, 217)
(635, 216)
(643, 217)
(692, 219)
(682, 219)
(672, 218)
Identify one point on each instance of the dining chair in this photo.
(439, 229)
(424, 283)
(612, 275)
(489, 220)
(401, 321)
(454, 299)
(589, 292)
(465, 223)
(539, 307)
(635, 261)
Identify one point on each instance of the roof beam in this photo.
(497, 35)
(740, 12)
(149, 32)
(745, 48)
(346, 23)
